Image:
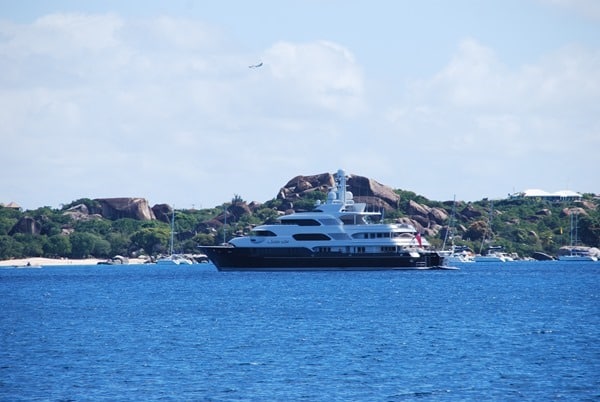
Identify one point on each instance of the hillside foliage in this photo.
(523, 226)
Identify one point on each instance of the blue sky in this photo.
(155, 99)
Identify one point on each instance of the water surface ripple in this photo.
(527, 331)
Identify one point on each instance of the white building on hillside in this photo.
(563, 195)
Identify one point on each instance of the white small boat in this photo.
(458, 254)
(28, 265)
(494, 256)
(577, 257)
(494, 253)
(174, 259)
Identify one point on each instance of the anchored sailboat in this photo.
(172, 258)
(455, 253)
(493, 253)
(576, 252)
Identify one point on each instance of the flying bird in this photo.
(256, 65)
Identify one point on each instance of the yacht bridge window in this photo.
(353, 220)
(330, 221)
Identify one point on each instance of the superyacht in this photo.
(335, 235)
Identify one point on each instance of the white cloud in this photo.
(321, 72)
(113, 106)
(167, 108)
(586, 8)
(538, 122)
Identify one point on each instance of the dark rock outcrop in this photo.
(439, 215)
(300, 185)
(538, 255)
(163, 212)
(237, 210)
(362, 188)
(566, 250)
(574, 211)
(468, 212)
(416, 209)
(80, 212)
(26, 225)
(368, 190)
(133, 208)
(231, 215)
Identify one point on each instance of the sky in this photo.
(156, 99)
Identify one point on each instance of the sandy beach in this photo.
(42, 262)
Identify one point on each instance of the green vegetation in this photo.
(523, 226)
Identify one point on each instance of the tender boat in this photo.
(458, 254)
(174, 259)
(494, 254)
(493, 257)
(335, 235)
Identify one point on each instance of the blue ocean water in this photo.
(524, 330)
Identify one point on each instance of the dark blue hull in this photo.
(301, 259)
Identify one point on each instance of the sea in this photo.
(526, 331)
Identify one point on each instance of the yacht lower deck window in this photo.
(262, 233)
(310, 236)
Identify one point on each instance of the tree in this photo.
(57, 246)
(126, 226)
(33, 245)
(589, 231)
(101, 248)
(6, 224)
(97, 226)
(152, 240)
(10, 248)
(82, 244)
(119, 243)
(204, 239)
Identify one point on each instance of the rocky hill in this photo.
(129, 225)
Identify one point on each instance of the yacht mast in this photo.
(450, 225)
(172, 231)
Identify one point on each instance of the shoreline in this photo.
(35, 262)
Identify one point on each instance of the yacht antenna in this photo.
(341, 175)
